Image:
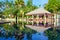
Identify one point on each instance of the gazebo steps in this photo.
(37, 28)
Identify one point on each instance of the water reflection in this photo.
(53, 34)
(12, 31)
(36, 36)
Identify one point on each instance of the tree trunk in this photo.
(16, 19)
(16, 22)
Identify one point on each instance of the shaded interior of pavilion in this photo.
(45, 19)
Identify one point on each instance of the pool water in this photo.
(29, 34)
(36, 36)
(9, 38)
(7, 32)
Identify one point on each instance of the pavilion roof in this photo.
(38, 11)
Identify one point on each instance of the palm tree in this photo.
(8, 8)
(1, 9)
(18, 4)
(1, 6)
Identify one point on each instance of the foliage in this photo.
(1, 7)
(53, 6)
(16, 8)
(8, 8)
(8, 28)
(53, 35)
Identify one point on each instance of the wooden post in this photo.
(44, 19)
(55, 20)
(27, 20)
(37, 20)
(32, 19)
(32, 16)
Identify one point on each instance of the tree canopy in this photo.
(17, 7)
(53, 6)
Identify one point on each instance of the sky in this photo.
(39, 2)
(36, 2)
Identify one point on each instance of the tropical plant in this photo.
(53, 7)
(53, 35)
(8, 8)
(1, 8)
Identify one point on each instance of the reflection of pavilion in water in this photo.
(40, 17)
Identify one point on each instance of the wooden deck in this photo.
(37, 28)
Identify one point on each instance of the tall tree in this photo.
(53, 6)
(29, 7)
(8, 8)
(29, 3)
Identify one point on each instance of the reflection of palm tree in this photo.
(29, 36)
(29, 33)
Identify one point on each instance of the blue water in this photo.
(9, 38)
(28, 35)
(36, 36)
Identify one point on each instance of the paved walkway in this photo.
(36, 28)
(10, 19)
(13, 19)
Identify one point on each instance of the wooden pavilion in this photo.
(39, 16)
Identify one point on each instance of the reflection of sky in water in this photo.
(37, 36)
(7, 38)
